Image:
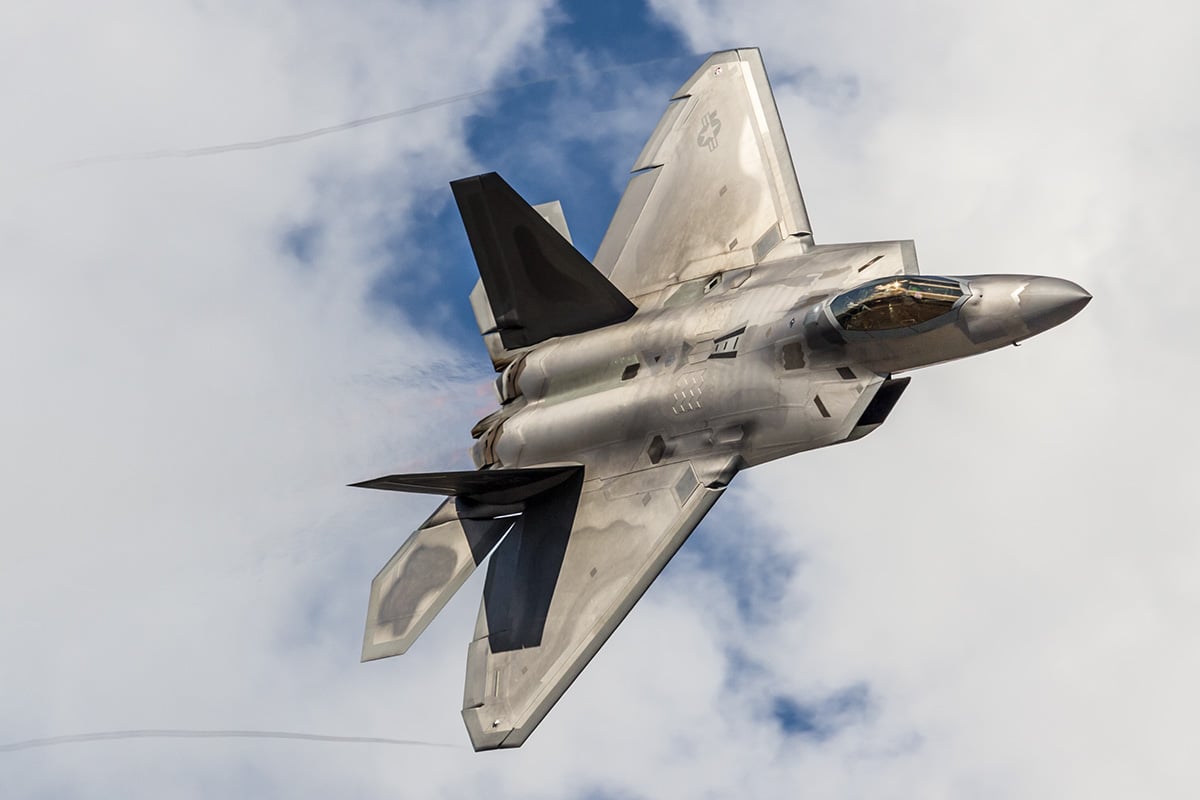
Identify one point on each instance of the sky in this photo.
(992, 596)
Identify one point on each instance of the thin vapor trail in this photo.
(274, 141)
(292, 138)
(177, 733)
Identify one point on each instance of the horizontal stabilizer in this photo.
(439, 556)
(538, 285)
(423, 575)
(491, 486)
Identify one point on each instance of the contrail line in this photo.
(292, 138)
(274, 141)
(178, 733)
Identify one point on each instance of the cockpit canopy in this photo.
(897, 302)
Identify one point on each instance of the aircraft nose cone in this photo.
(1046, 302)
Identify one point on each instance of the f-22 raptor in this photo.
(709, 334)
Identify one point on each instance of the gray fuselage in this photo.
(741, 368)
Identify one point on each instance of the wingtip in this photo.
(486, 735)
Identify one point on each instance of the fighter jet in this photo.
(709, 334)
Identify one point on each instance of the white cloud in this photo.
(185, 398)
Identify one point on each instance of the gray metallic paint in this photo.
(732, 359)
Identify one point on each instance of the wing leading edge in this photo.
(713, 189)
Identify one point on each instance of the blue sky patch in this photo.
(826, 717)
(567, 128)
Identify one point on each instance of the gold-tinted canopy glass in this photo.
(890, 303)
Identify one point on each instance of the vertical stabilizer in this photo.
(418, 581)
(535, 283)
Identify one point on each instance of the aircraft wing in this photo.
(714, 188)
(558, 586)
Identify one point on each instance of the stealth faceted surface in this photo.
(719, 336)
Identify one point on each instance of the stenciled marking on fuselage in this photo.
(689, 389)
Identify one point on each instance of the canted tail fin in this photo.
(435, 561)
(535, 283)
